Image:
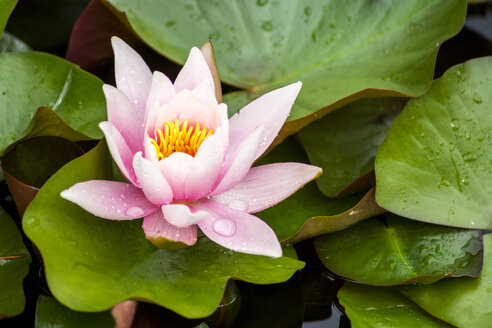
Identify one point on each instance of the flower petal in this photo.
(110, 199)
(206, 166)
(193, 72)
(133, 76)
(175, 169)
(122, 155)
(238, 163)
(161, 92)
(181, 215)
(270, 111)
(164, 235)
(237, 230)
(267, 185)
(123, 117)
(153, 184)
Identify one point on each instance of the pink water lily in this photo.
(187, 164)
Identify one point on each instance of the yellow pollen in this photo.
(176, 138)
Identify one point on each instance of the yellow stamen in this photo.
(176, 138)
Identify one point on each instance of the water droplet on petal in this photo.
(135, 212)
(224, 227)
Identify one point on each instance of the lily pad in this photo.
(104, 262)
(14, 266)
(7, 7)
(9, 43)
(30, 80)
(308, 212)
(463, 302)
(435, 163)
(344, 143)
(369, 307)
(401, 251)
(50, 313)
(341, 51)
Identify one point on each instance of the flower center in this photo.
(179, 138)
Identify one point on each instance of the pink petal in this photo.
(193, 72)
(149, 151)
(175, 169)
(270, 111)
(122, 155)
(161, 92)
(267, 185)
(239, 161)
(123, 117)
(133, 76)
(153, 184)
(239, 231)
(181, 215)
(158, 231)
(203, 91)
(110, 199)
(206, 166)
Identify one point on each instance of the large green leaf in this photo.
(435, 164)
(9, 43)
(401, 251)
(382, 307)
(31, 80)
(50, 313)
(340, 50)
(91, 263)
(7, 6)
(463, 302)
(308, 212)
(14, 266)
(344, 143)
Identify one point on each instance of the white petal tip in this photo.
(66, 194)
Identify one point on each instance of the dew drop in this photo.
(261, 3)
(267, 26)
(454, 125)
(477, 99)
(226, 228)
(170, 23)
(135, 212)
(308, 11)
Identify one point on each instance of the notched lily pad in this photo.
(341, 51)
(464, 302)
(30, 80)
(14, 266)
(104, 262)
(401, 251)
(50, 313)
(435, 163)
(344, 144)
(369, 307)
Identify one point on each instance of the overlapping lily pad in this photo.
(308, 212)
(30, 80)
(369, 307)
(401, 251)
(341, 51)
(92, 263)
(463, 302)
(436, 162)
(344, 143)
(14, 266)
(7, 7)
(50, 313)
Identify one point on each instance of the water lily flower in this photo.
(187, 164)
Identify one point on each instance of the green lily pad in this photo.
(308, 212)
(105, 262)
(369, 307)
(7, 7)
(50, 313)
(341, 51)
(14, 266)
(401, 251)
(464, 302)
(344, 143)
(30, 80)
(435, 163)
(9, 43)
